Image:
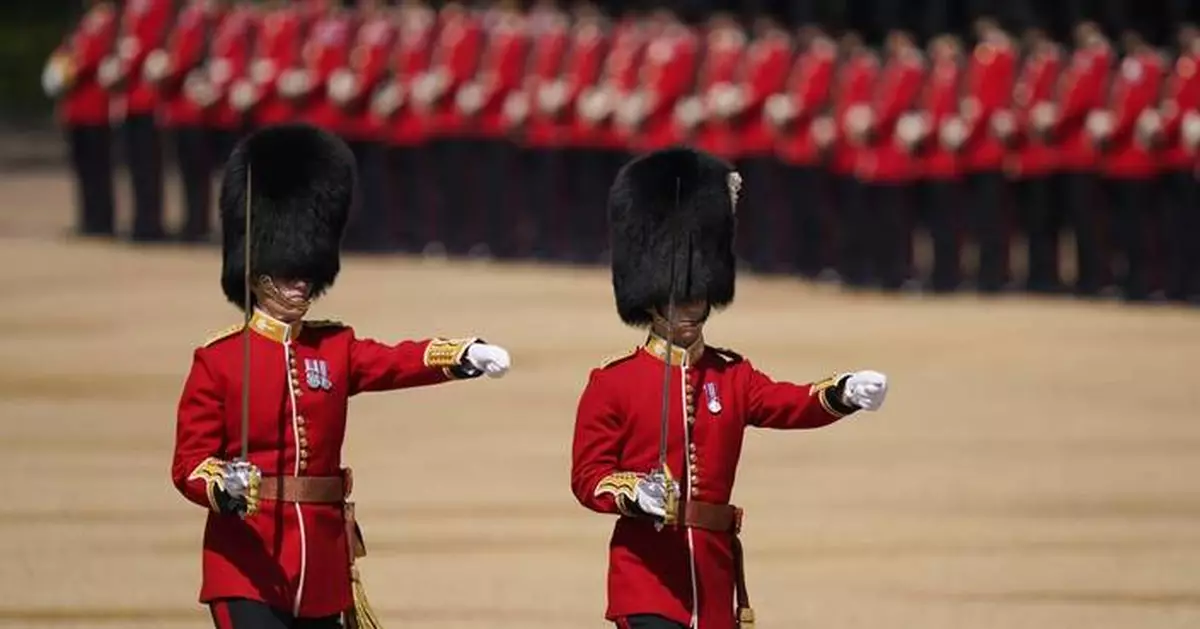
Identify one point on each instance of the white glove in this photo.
(552, 97)
(689, 112)
(199, 89)
(157, 66)
(492, 360)
(651, 495)
(55, 77)
(824, 131)
(244, 95)
(1003, 124)
(1044, 115)
(516, 109)
(388, 100)
(1100, 124)
(953, 133)
(261, 71)
(865, 390)
(109, 72)
(781, 109)
(1190, 129)
(343, 86)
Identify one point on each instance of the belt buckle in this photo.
(347, 482)
(737, 520)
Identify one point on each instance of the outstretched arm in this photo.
(784, 405)
(376, 366)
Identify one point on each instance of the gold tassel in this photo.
(361, 616)
(745, 618)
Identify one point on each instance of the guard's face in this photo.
(689, 322)
(285, 299)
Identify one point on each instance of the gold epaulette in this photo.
(225, 333)
(728, 355)
(612, 360)
(324, 323)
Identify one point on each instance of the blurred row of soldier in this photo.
(495, 128)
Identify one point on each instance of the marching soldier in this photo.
(645, 118)
(886, 164)
(1176, 130)
(939, 162)
(990, 75)
(852, 92)
(281, 539)
(455, 61)
(675, 558)
(144, 24)
(1033, 162)
(1128, 161)
(534, 116)
(1061, 122)
(325, 50)
(348, 93)
(185, 95)
(802, 130)
(490, 229)
(404, 129)
(71, 77)
(602, 145)
(703, 119)
(229, 61)
(278, 38)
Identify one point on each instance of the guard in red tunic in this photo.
(281, 539)
(1033, 162)
(405, 130)
(71, 78)
(852, 92)
(228, 61)
(1129, 162)
(938, 163)
(803, 132)
(675, 559)
(701, 119)
(277, 43)
(144, 28)
(174, 70)
(645, 117)
(1180, 110)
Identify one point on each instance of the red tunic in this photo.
(144, 28)
(368, 64)
(618, 79)
(277, 49)
(1182, 97)
(456, 56)
(326, 49)
(186, 49)
(85, 101)
(292, 557)
(666, 75)
(1034, 155)
(723, 55)
(684, 574)
(937, 162)
(1134, 89)
(810, 84)
(1081, 90)
(855, 85)
(989, 87)
(896, 93)
(411, 57)
(500, 71)
(229, 60)
(764, 72)
(550, 42)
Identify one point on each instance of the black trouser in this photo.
(367, 227)
(587, 212)
(887, 226)
(1134, 205)
(854, 259)
(450, 216)
(496, 220)
(942, 216)
(989, 229)
(91, 158)
(806, 219)
(194, 154)
(404, 202)
(548, 190)
(1181, 228)
(765, 230)
(647, 621)
(1085, 212)
(143, 154)
(1041, 221)
(237, 613)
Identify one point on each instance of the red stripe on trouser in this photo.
(622, 623)
(220, 614)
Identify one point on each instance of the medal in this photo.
(714, 401)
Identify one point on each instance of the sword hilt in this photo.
(671, 499)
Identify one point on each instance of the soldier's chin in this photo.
(686, 333)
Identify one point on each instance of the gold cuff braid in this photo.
(622, 486)
(826, 391)
(212, 472)
(447, 354)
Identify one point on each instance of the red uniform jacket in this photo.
(456, 56)
(1135, 89)
(229, 60)
(855, 86)
(764, 72)
(896, 93)
(991, 73)
(1182, 95)
(551, 39)
(667, 74)
(940, 103)
(723, 58)
(1081, 90)
(684, 574)
(326, 49)
(1035, 157)
(499, 74)
(85, 102)
(144, 28)
(619, 79)
(292, 557)
(810, 85)
(187, 50)
(280, 36)
(369, 61)
(411, 57)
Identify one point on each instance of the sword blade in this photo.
(245, 453)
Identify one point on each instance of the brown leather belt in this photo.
(305, 489)
(724, 518)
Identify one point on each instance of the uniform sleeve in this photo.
(595, 452)
(770, 79)
(200, 437)
(787, 406)
(376, 366)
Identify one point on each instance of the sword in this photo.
(245, 455)
(663, 471)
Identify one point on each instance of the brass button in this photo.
(692, 457)
(300, 421)
(301, 431)
(303, 454)
(303, 441)
(303, 465)
(694, 492)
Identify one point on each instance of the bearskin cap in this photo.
(676, 204)
(300, 182)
